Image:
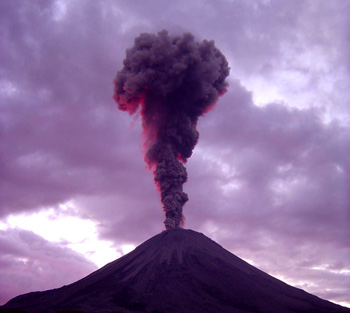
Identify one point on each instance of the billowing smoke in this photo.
(174, 80)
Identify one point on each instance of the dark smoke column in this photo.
(175, 80)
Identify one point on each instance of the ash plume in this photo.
(174, 80)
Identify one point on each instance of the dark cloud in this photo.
(175, 80)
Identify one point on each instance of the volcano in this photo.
(176, 271)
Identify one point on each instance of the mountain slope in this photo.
(177, 271)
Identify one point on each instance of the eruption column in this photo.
(175, 80)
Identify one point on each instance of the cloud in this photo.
(58, 123)
(29, 263)
(269, 175)
(278, 183)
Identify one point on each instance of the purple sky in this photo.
(268, 180)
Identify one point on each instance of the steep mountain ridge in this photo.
(177, 271)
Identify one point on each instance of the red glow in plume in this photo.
(175, 80)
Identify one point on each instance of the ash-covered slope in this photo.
(177, 271)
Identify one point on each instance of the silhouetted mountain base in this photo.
(176, 271)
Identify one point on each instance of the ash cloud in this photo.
(174, 79)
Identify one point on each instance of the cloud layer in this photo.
(269, 178)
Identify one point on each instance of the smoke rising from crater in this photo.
(174, 80)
